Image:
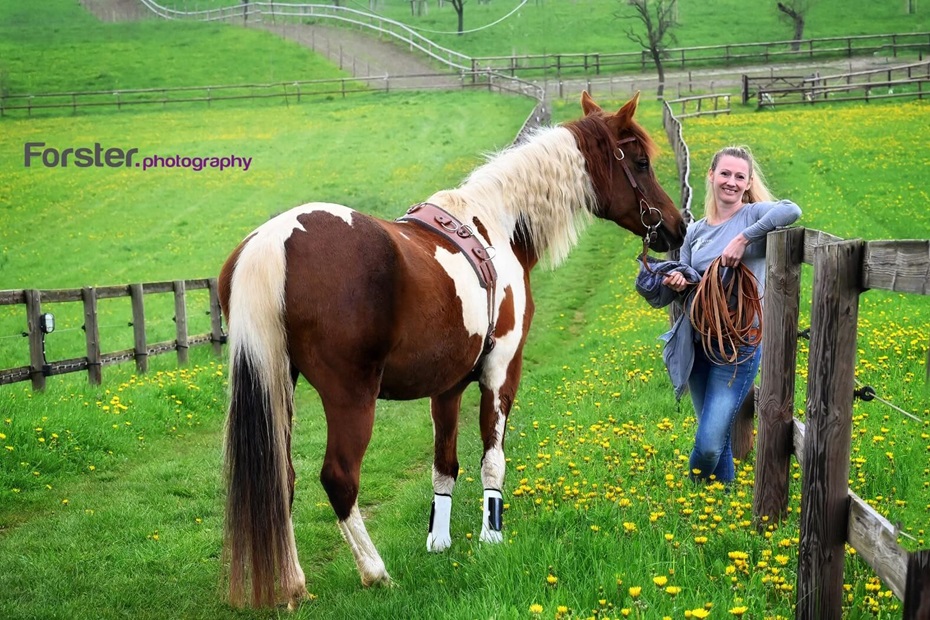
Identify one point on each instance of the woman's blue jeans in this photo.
(717, 394)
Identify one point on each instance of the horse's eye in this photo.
(642, 164)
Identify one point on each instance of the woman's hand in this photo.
(676, 282)
(733, 253)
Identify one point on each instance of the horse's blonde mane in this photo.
(540, 189)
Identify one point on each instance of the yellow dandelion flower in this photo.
(739, 611)
(660, 581)
(635, 591)
(700, 612)
(673, 590)
(536, 608)
(552, 580)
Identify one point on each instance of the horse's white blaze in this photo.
(369, 563)
(474, 306)
(439, 538)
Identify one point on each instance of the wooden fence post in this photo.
(775, 439)
(825, 484)
(92, 335)
(137, 294)
(917, 588)
(180, 319)
(36, 339)
(216, 318)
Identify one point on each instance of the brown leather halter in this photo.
(463, 237)
(646, 210)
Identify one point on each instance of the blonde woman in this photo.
(739, 211)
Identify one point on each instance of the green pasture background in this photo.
(111, 497)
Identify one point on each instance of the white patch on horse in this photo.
(369, 562)
(469, 291)
(493, 465)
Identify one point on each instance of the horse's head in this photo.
(618, 153)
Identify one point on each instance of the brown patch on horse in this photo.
(506, 317)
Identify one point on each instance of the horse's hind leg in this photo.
(299, 591)
(445, 411)
(349, 425)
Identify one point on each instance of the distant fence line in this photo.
(897, 81)
(585, 63)
(39, 368)
(292, 90)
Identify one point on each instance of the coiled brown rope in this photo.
(727, 316)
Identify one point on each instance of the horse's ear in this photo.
(587, 104)
(625, 114)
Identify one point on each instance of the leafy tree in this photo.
(657, 18)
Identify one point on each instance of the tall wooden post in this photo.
(216, 318)
(180, 319)
(775, 440)
(92, 335)
(137, 294)
(825, 486)
(917, 587)
(36, 339)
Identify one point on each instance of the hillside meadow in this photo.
(504, 28)
(110, 496)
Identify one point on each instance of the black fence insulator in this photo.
(864, 393)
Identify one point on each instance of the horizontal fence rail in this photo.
(295, 91)
(39, 368)
(702, 105)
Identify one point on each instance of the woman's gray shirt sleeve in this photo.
(769, 216)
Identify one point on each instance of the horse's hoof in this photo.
(297, 598)
(491, 536)
(435, 544)
(375, 575)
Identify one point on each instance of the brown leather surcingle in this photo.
(433, 217)
(463, 237)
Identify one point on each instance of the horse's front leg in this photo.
(496, 402)
(445, 411)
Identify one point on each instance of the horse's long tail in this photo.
(259, 538)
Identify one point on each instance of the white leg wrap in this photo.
(369, 563)
(439, 538)
(492, 523)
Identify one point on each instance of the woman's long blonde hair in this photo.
(757, 191)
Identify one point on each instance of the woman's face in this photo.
(730, 180)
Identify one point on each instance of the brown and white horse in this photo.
(367, 309)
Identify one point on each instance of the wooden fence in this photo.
(908, 80)
(39, 368)
(702, 105)
(831, 515)
(691, 57)
(294, 91)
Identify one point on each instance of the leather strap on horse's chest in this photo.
(463, 237)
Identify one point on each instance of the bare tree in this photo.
(657, 17)
(459, 6)
(795, 11)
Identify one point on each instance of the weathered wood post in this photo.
(216, 317)
(92, 335)
(36, 339)
(825, 484)
(775, 441)
(917, 588)
(137, 295)
(180, 320)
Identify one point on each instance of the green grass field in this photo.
(111, 495)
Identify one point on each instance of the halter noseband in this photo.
(645, 209)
